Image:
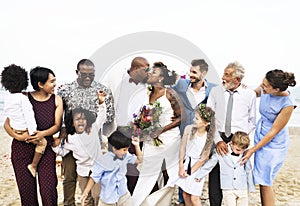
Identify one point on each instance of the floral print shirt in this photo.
(74, 96)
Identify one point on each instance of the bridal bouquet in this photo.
(145, 124)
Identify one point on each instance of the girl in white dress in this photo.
(195, 148)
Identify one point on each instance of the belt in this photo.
(225, 138)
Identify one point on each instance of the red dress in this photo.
(22, 154)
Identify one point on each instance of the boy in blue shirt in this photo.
(236, 179)
(110, 169)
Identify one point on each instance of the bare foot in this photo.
(32, 170)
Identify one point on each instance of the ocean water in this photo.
(294, 121)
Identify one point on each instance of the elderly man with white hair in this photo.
(235, 110)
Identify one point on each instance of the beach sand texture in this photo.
(286, 185)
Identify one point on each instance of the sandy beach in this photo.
(286, 185)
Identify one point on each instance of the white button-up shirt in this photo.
(129, 99)
(243, 109)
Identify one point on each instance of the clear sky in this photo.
(262, 35)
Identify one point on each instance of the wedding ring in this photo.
(40, 141)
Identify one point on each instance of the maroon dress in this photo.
(22, 155)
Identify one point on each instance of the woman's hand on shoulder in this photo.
(246, 156)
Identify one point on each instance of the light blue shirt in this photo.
(112, 173)
(233, 176)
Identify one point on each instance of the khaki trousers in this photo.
(70, 179)
(124, 200)
(235, 197)
(94, 195)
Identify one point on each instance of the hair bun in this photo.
(159, 64)
(290, 79)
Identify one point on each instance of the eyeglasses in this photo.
(85, 75)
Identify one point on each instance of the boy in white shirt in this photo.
(18, 109)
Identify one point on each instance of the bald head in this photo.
(138, 62)
(139, 70)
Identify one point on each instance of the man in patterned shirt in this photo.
(82, 93)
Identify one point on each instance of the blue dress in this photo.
(269, 159)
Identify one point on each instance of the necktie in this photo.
(228, 114)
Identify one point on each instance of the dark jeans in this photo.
(180, 195)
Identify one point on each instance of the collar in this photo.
(114, 156)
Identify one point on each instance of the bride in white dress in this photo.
(169, 135)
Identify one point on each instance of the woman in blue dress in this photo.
(271, 138)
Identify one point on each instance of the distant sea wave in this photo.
(294, 121)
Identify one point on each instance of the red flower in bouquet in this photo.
(147, 122)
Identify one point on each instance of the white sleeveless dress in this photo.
(153, 156)
(193, 151)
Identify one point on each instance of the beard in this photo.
(195, 80)
(228, 85)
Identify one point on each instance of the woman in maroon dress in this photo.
(48, 111)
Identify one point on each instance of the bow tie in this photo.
(133, 81)
(232, 153)
(117, 158)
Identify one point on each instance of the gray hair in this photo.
(239, 69)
